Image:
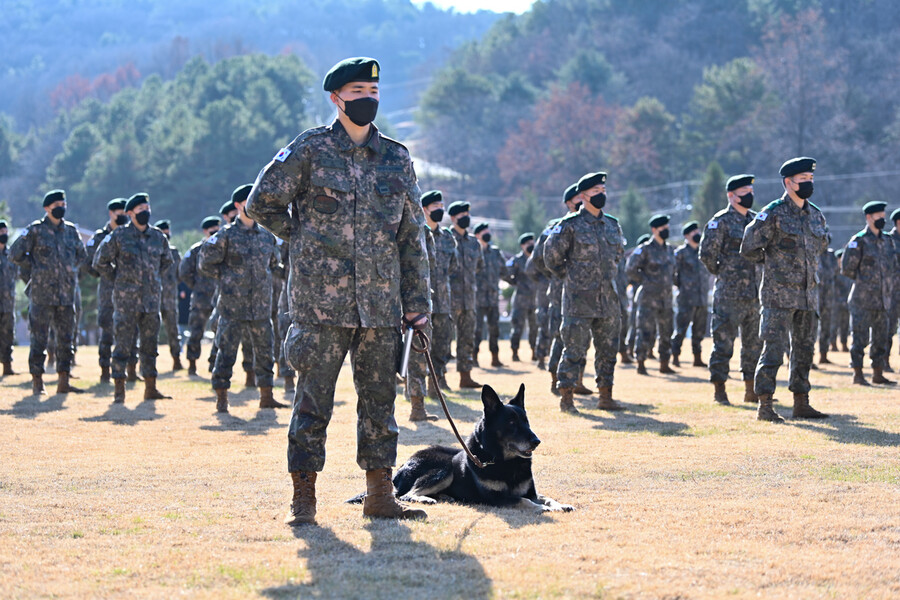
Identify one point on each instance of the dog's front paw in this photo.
(566, 507)
(419, 499)
(557, 507)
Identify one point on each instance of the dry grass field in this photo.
(675, 498)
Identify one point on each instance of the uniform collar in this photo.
(46, 220)
(587, 214)
(793, 205)
(346, 144)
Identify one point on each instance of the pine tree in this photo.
(710, 198)
(633, 215)
(527, 215)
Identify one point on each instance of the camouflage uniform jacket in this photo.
(8, 274)
(52, 254)
(869, 261)
(470, 260)
(526, 285)
(787, 240)
(691, 277)
(720, 252)
(584, 251)
(895, 240)
(105, 287)
(536, 266)
(170, 279)
(842, 287)
(445, 258)
(652, 265)
(489, 276)
(352, 217)
(203, 288)
(243, 261)
(828, 269)
(134, 260)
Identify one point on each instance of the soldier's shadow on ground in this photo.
(634, 418)
(121, 414)
(31, 406)
(846, 429)
(516, 518)
(264, 420)
(395, 566)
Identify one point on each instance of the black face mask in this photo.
(463, 222)
(121, 219)
(142, 218)
(4, 237)
(58, 212)
(529, 248)
(361, 111)
(806, 189)
(486, 238)
(437, 215)
(696, 238)
(664, 234)
(578, 206)
(598, 200)
(214, 232)
(168, 235)
(746, 200)
(879, 224)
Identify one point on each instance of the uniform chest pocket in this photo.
(734, 239)
(235, 260)
(868, 261)
(612, 238)
(130, 256)
(330, 181)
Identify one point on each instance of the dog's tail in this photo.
(357, 499)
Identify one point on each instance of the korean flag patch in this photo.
(713, 225)
(852, 244)
(762, 216)
(510, 262)
(282, 154)
(211, 240)
(90, 242)
(638, 250)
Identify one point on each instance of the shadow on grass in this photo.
(31, 406)
(395, 566)
(633, 419)
(846, 429)
(264, 420)
(120, 414)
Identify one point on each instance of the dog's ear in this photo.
(519, 400)
(490, 399)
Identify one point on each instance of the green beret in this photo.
(895, 216)
(659, 220)
(689, 227)
(227, 207)
(739, 181)
(458, 207)
(116, 204)
(52, 196)
(570, 192)
(163, 224)
(874, 207)
(526, 237)
(4, 224)
(351, 69)
(241, 193)
(137, 200)
(210, 222)
(590, 180)
(642, 239)
(481, 227)
(431, 197)
(803, 164)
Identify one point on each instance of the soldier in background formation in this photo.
(692, 281)
(541, 310)
(445, 262)
(463, 289)
(635, 297)
(868, 259)
(840, 326)
(488, 299)
(828, 270)
(203, 289)
(169, 302)
(894, 316)
(522, 313)
(8, 275)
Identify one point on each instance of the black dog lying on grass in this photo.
(503, 441)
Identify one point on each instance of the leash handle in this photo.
(425, 349)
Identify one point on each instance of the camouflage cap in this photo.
(137, 200)
(241, 193)
(431, 197)
(526, 237)
(874, 207)
(209, 222)
(590, 180)
(359, 68)
(54, 196)
(739, 181)
(116, 204)
(689, 227)
(481, 227)
(163, 224)
(570, 192)
(658, 220)
(458, 207)
(795, 166)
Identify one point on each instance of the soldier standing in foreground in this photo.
(51, 250)
(169, 301)
(203, 290)
(463, 289)
(691, 279)
(787, 237)
(869, 260)
(8, 275)
(488, 293)
(346, 199)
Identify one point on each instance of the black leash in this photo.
(420, 335)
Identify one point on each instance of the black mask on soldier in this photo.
(746, 200)
(529, 248)
(879, 223)
(463, 222)
(598, 200)
(121, 219)
(578, 206)
(361, 111)
(4, 237)
(696, 238)
(213, 232)
(664, 234)
(142, 218)
(58, 212)
(437, 215)
(486, 238)
(806, 189)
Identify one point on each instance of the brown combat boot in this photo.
(720, 395)
(250, 381)
(765, 412)
(641, 369)
(104, 374)
(7, 369)
(844, 347)
(823, 358)
(475, 361)
(222, 400)
(63, 387)
(131, 374)
(192, 366)
(698, 360)
(582, 390)
(750, 396)
(664, 367)
(119, 394)
(289, 386)
(566, 401)
(802, 409)
(878, 377)
(176, 363)
(515, 355)
(417, 411)
(606, 401)
(625, 358)
(834, 346)
(553, 381)
(887, 365)
(858, 377)
(432, 391)
(651, 355)
(267, 400)
(380, 501)
(466, 381)
(303, 501)
(495, 360)
(150, 391)
(542, 364)
(37, 385)
(676, 360)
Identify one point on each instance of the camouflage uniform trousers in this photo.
(169, 314)
(442, 325)
(197, 320)
(492, 314)
(576, 333)
(556, 344)
(695, 316)
(727, 317)
(465, 338)
(246, 346)
(840, 324)
(632, 328)
(623, 326)
(284, 321)
(40, 318)
(519, 317)
(317, 352)
(893, 321)
(654, 314)
(544, 333)
(232, 332)
(776, 326)
(7, 336)
(861, 322)
(825, 316)
(417, 374)
(126, 337)
(105, 322)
